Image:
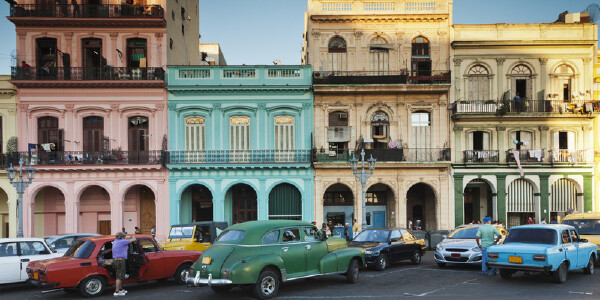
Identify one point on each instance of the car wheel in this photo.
(589, 270)
(505, 274)
(267, 285)
(92, 286)
(381, 262)
(416, 258)
(441, 265)
(352, 273)
(560, 275)
(182, 273)
(221, 289)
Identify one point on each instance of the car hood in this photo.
(520, 248)
(176, 244)
(365, 245)
(460, 243)
(43, 264)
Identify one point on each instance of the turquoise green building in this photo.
(240, 143)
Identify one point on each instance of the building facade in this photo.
(8, 121)
(240, 143)
(382, 84)
(523, 121)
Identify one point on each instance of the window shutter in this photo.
(571, 141)
(556, 140)
(486, 141)
(526, 138)
(471, 145)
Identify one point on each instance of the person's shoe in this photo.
(126, 276)
(118, 294)
(123, 291)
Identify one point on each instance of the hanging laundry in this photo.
(47, 147)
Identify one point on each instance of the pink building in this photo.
(91, 110)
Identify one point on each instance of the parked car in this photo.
(86, 265)
(460, 247)
(16, 253)
(385, 245)
(62, 242)
(262, 254)
(194, 236)
(554, 249)
(588, 226)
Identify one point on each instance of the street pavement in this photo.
(400, 280)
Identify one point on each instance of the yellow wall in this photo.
(8, 195)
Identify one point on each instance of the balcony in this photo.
(481, 156)
(338, 134)
(86, 158)
(527, 107)
(81, 77)
(526, 156)
(239, 157)
(419, 155)
(570, 156)
(382, 77)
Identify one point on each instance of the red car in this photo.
(86, 265)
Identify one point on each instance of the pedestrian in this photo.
(543, 221)
(123, 230)
(153, 231)
(24, 64)
(119, 252)
(418, 225)
(410, 227)
(324, 230)
(347, 232)
(354, 228)
(331, 228)
(553, 221)
(500, 223)
(487, 235)
(76, 11)
(530, 221)
(517, 99)
(478, 221)
(137, 230)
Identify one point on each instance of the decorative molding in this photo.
(499, 128)
(457, 62)
(160, 107)
(543, 60)
(306, 105)
(359, 34)
(22, 106)
(217, 106)
(113, 35)
(172, 106)
(262, 106)
(21, 34)
(458, 128)
(378, 104)
(544, 128)
(158, 35)
(587, 60)
(500, 60)
(316, 34)
(69, 107)
(69, 35)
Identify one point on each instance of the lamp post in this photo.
(20, 185)
(363, 175)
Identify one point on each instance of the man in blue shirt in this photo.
(489, 235)
(119, 253)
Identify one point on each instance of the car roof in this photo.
(545, 226)
(256, 229)
(587, 215)
(23, 239)
(220, 225)
(386, 228)
(111, 237)
(69, 235)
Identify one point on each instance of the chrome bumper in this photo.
(518, 267)
(197, 281)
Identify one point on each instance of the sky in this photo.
(260, 31)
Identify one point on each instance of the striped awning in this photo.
(563, 196)
(520, 197)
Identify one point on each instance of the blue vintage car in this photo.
(554, 249)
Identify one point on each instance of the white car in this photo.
(16, 253)
(62, 242)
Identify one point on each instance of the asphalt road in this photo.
(400, 280)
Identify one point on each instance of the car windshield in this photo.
(81, 249)
(231, 236)
(464, 233)
(585, 227)
(379, 236)
(531, 236)
(181, 232)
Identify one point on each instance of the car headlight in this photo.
(371, 252)
(439, 248)
(475, 249)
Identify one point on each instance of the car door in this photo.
(582, 254)
(137, 262)
(411, 242)
(156, 260)
(32, 251)
(315, 249)
(569, 248)
(396, 245)
(10, 263)
(292, 252)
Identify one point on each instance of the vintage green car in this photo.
(262, 254)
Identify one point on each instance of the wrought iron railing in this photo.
(79, 73)
(389, 155)
(239, 156)
(570, 156)
(427, 154)
(481, 156)
(115, 157)
(526, 156)
(382, 77)
(526, 106)
(54, 10)
(332, 156)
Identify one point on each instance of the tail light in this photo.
(43, 275)
(492, 255)
(539, 257)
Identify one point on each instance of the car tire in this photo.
(560, 275)
(589, 270)
(506, 274)
(441, 265)
(382, 262)
(352, 273)
(92, 286)
(267, 285)
(416, 258)
(182, 273)
(221, 289)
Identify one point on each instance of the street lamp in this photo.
(363, 175)
(20, 185)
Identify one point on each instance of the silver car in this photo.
(62, 242)
(460, 246)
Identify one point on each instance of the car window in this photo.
(311, 234)
(33, 248)
(180, 232)
(373, 235)
(564, 237)
(291, 235)
(532, 236)
(464, 233)
(62, 243)
(406, 235)
(271, 237)
(8, 249)
(81, 249)
(585, 226)
(148, 246)
(202, 234)
(231, 236)
(396, 235)
(574, 236)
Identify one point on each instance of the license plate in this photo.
(35, 275)
(515, 259)
(206, 260)
(455, 255)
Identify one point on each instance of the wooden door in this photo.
(104, 227)
(244, 205)
(147, 212)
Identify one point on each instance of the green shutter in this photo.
(285, 203)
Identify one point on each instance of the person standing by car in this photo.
(487, 235)
(354, 228)
(119, 250)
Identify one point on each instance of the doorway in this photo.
(104, 227)
(92, 58)
(522, 88)
(244, 206)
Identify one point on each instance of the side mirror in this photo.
(444, 236)
(583, 240)
(393, 240)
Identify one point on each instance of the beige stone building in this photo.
(382, 84)
(8, 129)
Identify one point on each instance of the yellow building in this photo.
(8, 129)
(597, 129)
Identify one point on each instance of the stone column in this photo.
(217, 139)
(71, 209)
(500, 63)
(158, 51)
(70, 132)
(543, 78)
(501, 198)
(501, 144)
(459, 218)
(262, 127)
(457, 91)
(262, 201)
(219, 203)
(174, 202)
(114, 138)
(116, 208)
(586, 72)
(544, 198)
(588, 198)
(458, 148)
(314, 55)
(544, 141)
(113, 58)
(357, 53)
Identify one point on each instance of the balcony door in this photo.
(239, 138)
(93, 133)
(338, 132)
(45, 58)
(284, 138)
(136, 53)
(92, 58)
(138, 134)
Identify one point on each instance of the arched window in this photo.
(380, 129)
(49, 133)
(284, 133)
(563, 78)
(239, 133)
(421, 61)
(379, 55)
(336, 56)
(478, 83)
(522, 82)
(195, 133)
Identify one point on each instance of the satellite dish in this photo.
(277, 62)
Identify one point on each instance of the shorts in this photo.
(119, 266)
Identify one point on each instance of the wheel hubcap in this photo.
(268, 285)
(382, 262)
(184, 275)
(355, 272)
(93, 286)
(417, 257)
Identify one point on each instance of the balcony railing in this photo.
(239, 156)
(382, 77)
(481, 156)
(78, 73)
(526, 156)
(526, 106)
(332, 157)
(570, 156)
(86, 158)
(53, 10)
(390, 155)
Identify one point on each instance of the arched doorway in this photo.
(49, 212)
(285, 203)
(420, 205)
(94, 211)
(563, 199)
(244, 207)
(139, 209)
(520, 202)
(196, 204)
(379, 200)
(4, 215)
(338, 204)
(477, 201)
